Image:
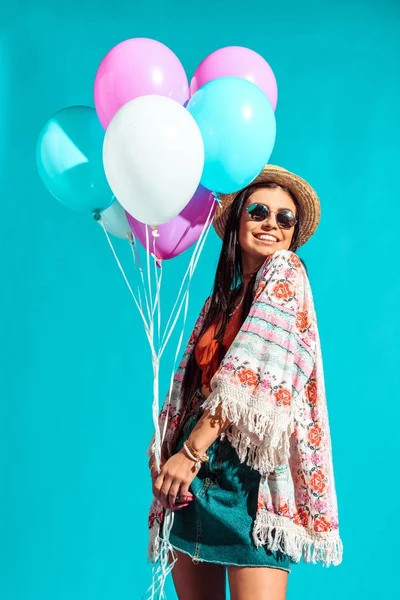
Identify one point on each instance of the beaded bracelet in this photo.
(195, 456)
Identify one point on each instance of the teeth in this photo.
(267, 238)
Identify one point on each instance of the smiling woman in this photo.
(267, 223)
(247, 457)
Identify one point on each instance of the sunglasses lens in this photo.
(286, 219)
(258, 212)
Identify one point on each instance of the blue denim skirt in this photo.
(217, 526)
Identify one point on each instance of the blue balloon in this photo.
(238, 126)
(69, 159)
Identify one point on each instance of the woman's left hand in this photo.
(174, 480)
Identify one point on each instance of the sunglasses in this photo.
(284, 217)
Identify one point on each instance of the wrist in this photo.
(194, 456)
(197, 448)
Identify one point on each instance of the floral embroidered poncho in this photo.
(270, 385)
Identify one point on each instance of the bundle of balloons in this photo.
(155, 152)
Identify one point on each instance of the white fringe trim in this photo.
(259, 432)
(279, 533)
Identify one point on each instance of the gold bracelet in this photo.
(202, 458)
(195, 456)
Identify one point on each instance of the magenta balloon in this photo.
(137, 67)
(236, 61)
(183, 231)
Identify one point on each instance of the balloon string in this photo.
(153, 307)
(158, 272)
(204, 234)
(192, 263)
(156, 363)
(188, 276)
(154, 310)
(146, 326)
(132, 243)
(158, 279)
(138, 266)
(148, 270)
(164, 568)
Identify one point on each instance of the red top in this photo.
(209, 352)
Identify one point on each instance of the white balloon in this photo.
(153, 156)
(115, 221)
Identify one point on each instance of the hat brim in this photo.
(306, 196)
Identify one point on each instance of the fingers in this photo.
(166, 490)
(174, 479)
(179, 506)
(184, 492)
(173, 492)
(154, 473)
(161, 489)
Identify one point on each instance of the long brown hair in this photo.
(228, 282)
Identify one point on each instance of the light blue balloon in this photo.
(238, 126)
(69, 159)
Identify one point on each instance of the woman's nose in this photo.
(270, 221)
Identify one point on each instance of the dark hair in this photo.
(229, 281)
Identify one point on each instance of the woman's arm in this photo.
(179, 471)
(207, 431)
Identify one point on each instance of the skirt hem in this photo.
(227, 564)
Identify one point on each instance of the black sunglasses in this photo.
(284, 217)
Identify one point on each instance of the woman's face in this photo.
(259, 239)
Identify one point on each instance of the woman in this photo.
(246, 463)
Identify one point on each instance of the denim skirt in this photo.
(217, 526)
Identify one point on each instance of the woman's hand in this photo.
(152, 462)
(174, 480)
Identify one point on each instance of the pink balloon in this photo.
(183, 231)
(236, 61)
(137, 67)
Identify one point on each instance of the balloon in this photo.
(137, 67)
(183, 231)
(114, 220)
(237, 123)
(69, 159)
(153, 157)
(236, 61)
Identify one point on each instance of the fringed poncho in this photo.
(270, 385)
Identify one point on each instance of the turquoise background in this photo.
(75, 370)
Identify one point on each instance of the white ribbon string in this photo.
(138, 269)
(146, 325)
(188, 275)
(158, 342)
(148, 270)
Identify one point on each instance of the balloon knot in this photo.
(217, 197)
(97, 215)
(155, 232)
(157, 260)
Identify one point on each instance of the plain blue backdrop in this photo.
(75, 379)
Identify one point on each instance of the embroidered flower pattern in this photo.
(284, 511)
(317, 481)
(321, 524)
(156, 514)
(302, 322)
(315, 436)
(248, 377)
(283, 397)
(283, 291)
(311, 391)
(302, 516)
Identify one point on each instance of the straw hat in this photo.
(309, 205)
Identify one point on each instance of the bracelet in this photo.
(195, 456)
